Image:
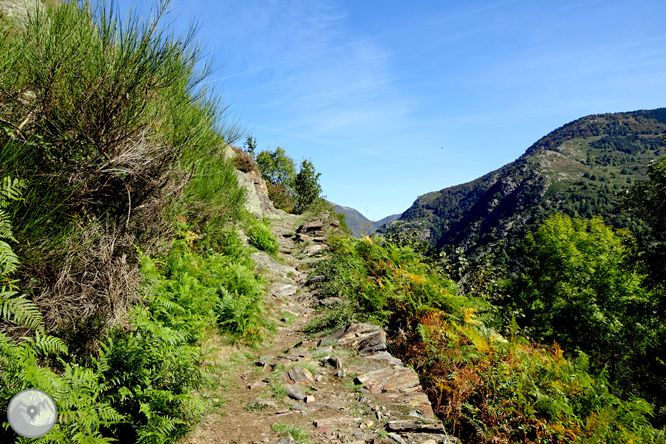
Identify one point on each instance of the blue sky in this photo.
(394, 99)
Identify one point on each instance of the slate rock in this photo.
(263, 360)
(295, 392)
(256, 384)
(359, 336)
(376, 342)
(415, 426)
(315, 248)
(390, 379)
(335, 363)
(284, 290)
(300, 376)
(315, 279)
(299, 354)
(330, 301)
(418, 400)
(335, 421)
(303, 237)
(264, 403)
(313, 225)
(386, 356)
(397, 438)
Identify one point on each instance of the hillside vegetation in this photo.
(119, 246)
(569, 350)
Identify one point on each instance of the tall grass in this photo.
(108, 122)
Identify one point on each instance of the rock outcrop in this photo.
(258, 203)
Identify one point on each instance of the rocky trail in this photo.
(344, 388)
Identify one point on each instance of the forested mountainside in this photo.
(580, 170)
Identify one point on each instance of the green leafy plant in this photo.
(260, 236)
(277, 167)
(10, 190)
(107, 122)
(484, 387)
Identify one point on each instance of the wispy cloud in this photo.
(320, 20)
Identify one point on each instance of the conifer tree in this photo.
(307, 186)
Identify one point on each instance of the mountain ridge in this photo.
(580, 169)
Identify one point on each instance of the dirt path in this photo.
(344, 389)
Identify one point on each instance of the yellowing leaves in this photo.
(470, 315)
(479, 343)
(416, 278)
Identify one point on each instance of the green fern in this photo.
(46, 345)
(10, 190)
(19, 310)
(8, 259)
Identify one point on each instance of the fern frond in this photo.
(46, 344)
(19, 310)
(5, 226)
(10, 190)
(8, 259)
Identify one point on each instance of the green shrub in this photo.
(153, 374)
(9, 191)
(281, 196)
(83, 410)
(261, 237)
(289, 190)
(240, 310)
(291, 431)
(382, 283)
(213, 197)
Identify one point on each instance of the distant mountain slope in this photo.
(386, 220)
(578, 169)
(359, 224)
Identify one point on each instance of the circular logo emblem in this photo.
(32, 413)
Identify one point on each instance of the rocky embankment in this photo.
(342, 388)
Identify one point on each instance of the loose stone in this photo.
(415, 426)
(300, 376)
(295, 392)
(397, 438)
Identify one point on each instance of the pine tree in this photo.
(307, 186)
